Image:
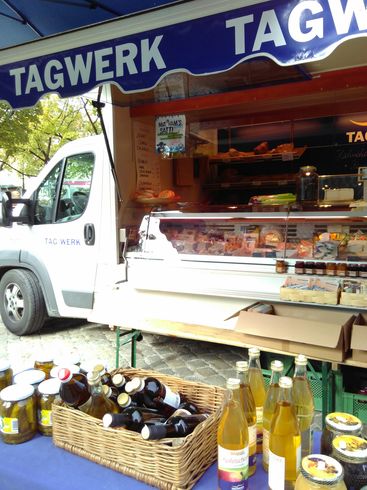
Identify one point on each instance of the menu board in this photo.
(147, 161)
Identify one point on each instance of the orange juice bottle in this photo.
(249, 407)
(284, 440)
(269, 407)
(303, 402)
(232, 440)
(258, 390)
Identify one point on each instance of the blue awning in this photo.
(200, 37)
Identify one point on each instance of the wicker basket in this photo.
(157, 463)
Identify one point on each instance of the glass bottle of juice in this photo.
(258, 390)
(249, 407)
(269, 407)
(99, 404)
(303, 402)
(233, 441)
(284, 441)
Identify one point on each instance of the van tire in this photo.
(22, 306)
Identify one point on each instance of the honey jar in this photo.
(351, 452)
(336, 424)
(18, 421)
(6, 374)
(319, 472)
(45, 363)
(48, 393)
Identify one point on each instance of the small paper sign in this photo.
(170, 135)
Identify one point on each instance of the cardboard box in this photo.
(358, 341)
(312, 331)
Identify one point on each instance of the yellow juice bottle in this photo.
(249, 407)
(232, 438)
(303, 403)
(284, 441)
(258, 390)
(269, 407)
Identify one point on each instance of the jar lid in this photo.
(350, 447)
(343, 422)
(31, 376)
(285, 382)
(123, 399)
(15, 393)
(319, 468)
(4, 365)
(49, 386)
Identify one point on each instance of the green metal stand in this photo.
(133, 336)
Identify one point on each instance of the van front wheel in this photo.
(22, 306)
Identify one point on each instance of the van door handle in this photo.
(89, 234)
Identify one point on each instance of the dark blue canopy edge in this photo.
(288, 32)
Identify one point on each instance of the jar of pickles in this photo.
(45, 363)
(18, 421)
(351, 452)
(48, 393)
(319, 472)
(6, 374)
(336, 424)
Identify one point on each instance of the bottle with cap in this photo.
(320, 472)
(284, 440)
(179, 426)
(119, 381)
(99, 404)
(48, 394)
(106, 378)
(269, 407)
(154, 394)
(111, 392)
(337, 424)
(133, 418)
(249, 407)
(73, 368)
(124, 401)
(6, 374)
(18, 420)
(233, 441)
(303, 402)
(257, 385)
(74, 389)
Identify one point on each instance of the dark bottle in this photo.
(74, 390)
(132, 418)
(99, 403)
(161, 393)
(119, 381)
(106, 378)
(307, 185)
(110, 392)
(189, 406)
(177, 427)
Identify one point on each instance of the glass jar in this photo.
(341, 269)
(31, 376)
(351, 452)
(320, 268)
(299, 267)
(18, 421)
(45, 363)
(6, 374)
(362, 270)
(319, 472)
(336, 424)
(353, 270)
(281, 266)
(307, 184)
(309, 267)
(331, 269)
(48, 393)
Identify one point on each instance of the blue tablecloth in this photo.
(39, 465)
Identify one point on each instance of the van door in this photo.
(62, 246)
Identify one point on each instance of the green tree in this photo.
(32, 136)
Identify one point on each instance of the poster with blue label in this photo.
(170, 135)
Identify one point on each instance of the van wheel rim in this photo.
(14, 302)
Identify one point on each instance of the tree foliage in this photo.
(30, 137)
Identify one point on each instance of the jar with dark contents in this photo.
(309, 267)
(341, 269)
(352, 270)
(299, 267)
(6, 374)
(331, 269)
(18, 422)
(48, 394)
(319, 472)
(351, 452)
(336, 424)
(307, 184)
(320, 268)
(362, 270)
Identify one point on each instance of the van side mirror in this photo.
(6, 211)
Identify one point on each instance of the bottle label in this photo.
(276, 472)
(252, 435)
(9, 425)
(171, 398)
(259, 415)
(45, 418)
(233, 469)
(266, 446)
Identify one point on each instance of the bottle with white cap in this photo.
(74, 390)
(257, 385)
